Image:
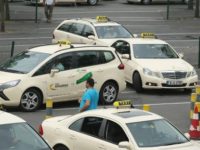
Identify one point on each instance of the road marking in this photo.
(110, 106)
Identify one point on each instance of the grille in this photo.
(174, 75)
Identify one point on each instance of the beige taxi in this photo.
(58, 71)
(98, 31)
(153, 64)
(114, 129)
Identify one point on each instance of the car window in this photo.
(122, 47)
(87, 31)
(114, 133)
(62, 62)
(91, 125)
(20, 136)
(23, 62)
(77, 28)
(65, 27)
(86, 58)
(76, 126)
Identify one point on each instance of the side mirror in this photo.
(181, 55)
(53, 72)
(125, 56)
(187, 136)
(124, 145)
(91, 37)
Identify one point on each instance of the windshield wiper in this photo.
(13, 71)
(173, 143)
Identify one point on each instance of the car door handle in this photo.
(101, 147)
(100, 70)
(72, 75)
(72, 137)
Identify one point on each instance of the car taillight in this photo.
(41, 130)
(121, 66)
(53, 36)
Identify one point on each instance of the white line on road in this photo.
(154, 104)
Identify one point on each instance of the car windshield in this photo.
(154, 51)
(155, 133)
(111, 32)
(23, 62)
(20, 136)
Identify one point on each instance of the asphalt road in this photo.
(181, 31)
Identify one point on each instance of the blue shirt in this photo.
(91, 95)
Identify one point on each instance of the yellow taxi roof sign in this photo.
(148, 35)
(64, 42)
(122, 104)
(102, 19)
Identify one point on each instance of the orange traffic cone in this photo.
(194, 130)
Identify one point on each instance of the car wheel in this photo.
(92, 2)
(137, 82)
(146, 2)
(108, 93)
(60, 147)
(31, 100)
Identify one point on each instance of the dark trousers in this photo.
(48, 9)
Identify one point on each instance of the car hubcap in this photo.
(93, 2)
(109, 93)
(29, 100)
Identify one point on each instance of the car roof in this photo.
(93, 21)
(8, 118)
(125, 115)
(53, 48)
(146, 41)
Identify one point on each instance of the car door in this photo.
(123, 47)
(84, 133)
(113, 135)
(75, 33)
(58, 86)
(62, 32)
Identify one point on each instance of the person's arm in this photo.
(85, 107)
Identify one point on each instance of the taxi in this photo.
(98, 31)
(58, 71)
(152, 63)
(114, 129)
(16, 134)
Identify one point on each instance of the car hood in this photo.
(164, 64)
(185, 146)
(7, 76)
(56, 119)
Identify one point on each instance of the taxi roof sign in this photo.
(122, 104)
(148, 35)
(102, 19)
(64, 42)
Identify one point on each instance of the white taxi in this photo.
(16, 134)
(114, 129)
(58, 71)
(99, 31)
(153, 64)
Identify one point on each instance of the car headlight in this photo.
(192, 73)
(9, 84)
(148, 72)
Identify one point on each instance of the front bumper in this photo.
(150, 82)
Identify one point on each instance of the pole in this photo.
(36, 11)
(167, 9)
(197, 9)
(2, 15)
(199, 54)
(12, 48)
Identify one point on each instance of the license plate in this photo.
(174, 82)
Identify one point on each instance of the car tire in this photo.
(137, 82)
(60, 147)
(31, 100)
(108, 93)
(146, 2)
(92, 2)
